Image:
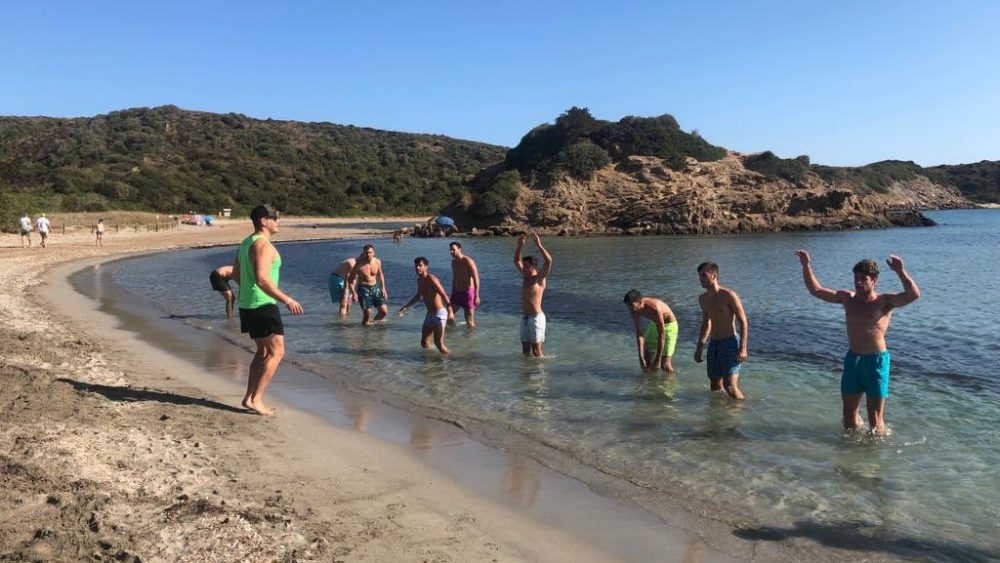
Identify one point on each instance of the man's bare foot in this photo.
(261, 409)
(445, 351)
(246, 403)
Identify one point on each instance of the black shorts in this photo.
(219, 284)
(262, 321)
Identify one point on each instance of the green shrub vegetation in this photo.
(499, 198)
(772, 166)
(978, 181)
(172, 161)
(876, 177)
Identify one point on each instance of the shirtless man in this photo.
(727, 350)
(367, 286)
(867, 314)
(656, 346)
(464, 284)
(219, 278)
(340, 292)
(438, 307)
(532, 287)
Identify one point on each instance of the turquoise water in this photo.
(777, 462)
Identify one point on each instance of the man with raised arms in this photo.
(219, 278)
(721, 308)
(256, 269)
(367, 286)
(464, 283)
(438, 307)
(533, 283)
(340, 292)
(867, 314)
(656, 346)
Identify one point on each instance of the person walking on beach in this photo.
(340, 292)
(438, 307)
(533, 283)
(219, 278)
(721, 308)
(99, 232)
(367, 283)
(24, 225)
(256, 269)
(464, 284)
(656, 345)
(43, 226)
(867, 314)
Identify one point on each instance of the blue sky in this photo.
(847, 83)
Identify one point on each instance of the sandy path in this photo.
(105, 455)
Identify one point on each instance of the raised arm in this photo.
(910, 290)
(545, 254)
(517, 253)
(812, 284)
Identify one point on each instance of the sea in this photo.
(777, 462)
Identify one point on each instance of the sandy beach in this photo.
(111, 450)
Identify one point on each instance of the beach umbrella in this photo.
(448, 221)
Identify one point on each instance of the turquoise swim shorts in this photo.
(866, 373)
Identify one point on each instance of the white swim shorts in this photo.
(533, 328)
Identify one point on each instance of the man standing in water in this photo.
(656, 346)
(367, 285)
(436, 300)
(720, 309)
(533, 283)
(256, 269)
(464, 283)
(219, 278)
(340, 292)
(867, 314)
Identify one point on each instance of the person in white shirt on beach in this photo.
(43, 226)
(25, 228)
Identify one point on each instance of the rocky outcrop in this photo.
(641, 195)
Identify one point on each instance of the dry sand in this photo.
(106, 456)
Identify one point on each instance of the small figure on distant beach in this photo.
(533, 284)
(438, 307)
(257, 269)
(340, 291)
(43, 226)
(219, 278)
(656, 345)
(721, 309)
(867, 316)
(99, 232)
(397, 237)
(24, 225)
(367, 282)
(464, 284)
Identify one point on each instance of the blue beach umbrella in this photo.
(448, 221)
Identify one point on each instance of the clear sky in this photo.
(848, 82)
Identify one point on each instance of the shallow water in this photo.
(780, 459)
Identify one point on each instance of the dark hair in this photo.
(529, 260)
(257, 214)
(632, 296)
(455, 244)
(420, 260)
(866, 267)
(710, 267)
(366, 247)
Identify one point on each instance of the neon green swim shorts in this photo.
(652, 337)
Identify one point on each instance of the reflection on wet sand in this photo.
(522, 481)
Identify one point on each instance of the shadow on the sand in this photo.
(855, 536)
(131, 394)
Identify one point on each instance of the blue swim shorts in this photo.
(866, 373)
(721, 357)
(336, 284)
(370, 296)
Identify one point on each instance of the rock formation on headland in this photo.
(638, 194)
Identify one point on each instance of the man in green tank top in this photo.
(256, 270)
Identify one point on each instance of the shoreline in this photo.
(126, 451)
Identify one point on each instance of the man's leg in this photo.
(228, 296)
(876, 412)
(470, 317)
(852, 402)
(426, 333)
(439, 338)
(271, 350)
(366, 316)
(526, 348)
(536, 349)
(731, 383)
(383, 310)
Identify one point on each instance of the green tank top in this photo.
(251, 295)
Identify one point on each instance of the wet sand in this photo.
(116, 449)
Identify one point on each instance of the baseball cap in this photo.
(262, 211)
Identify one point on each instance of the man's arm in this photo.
(661, 340)
(548, 258)
(812, 284)
(412, 300)
(236, 269)
(381, 281)
(703, 332)
(444, 296)
(475, 278)
(737, 306)
(517, 253)
(639, 339)
(910, 290)
(352, 280)
(262, 254)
